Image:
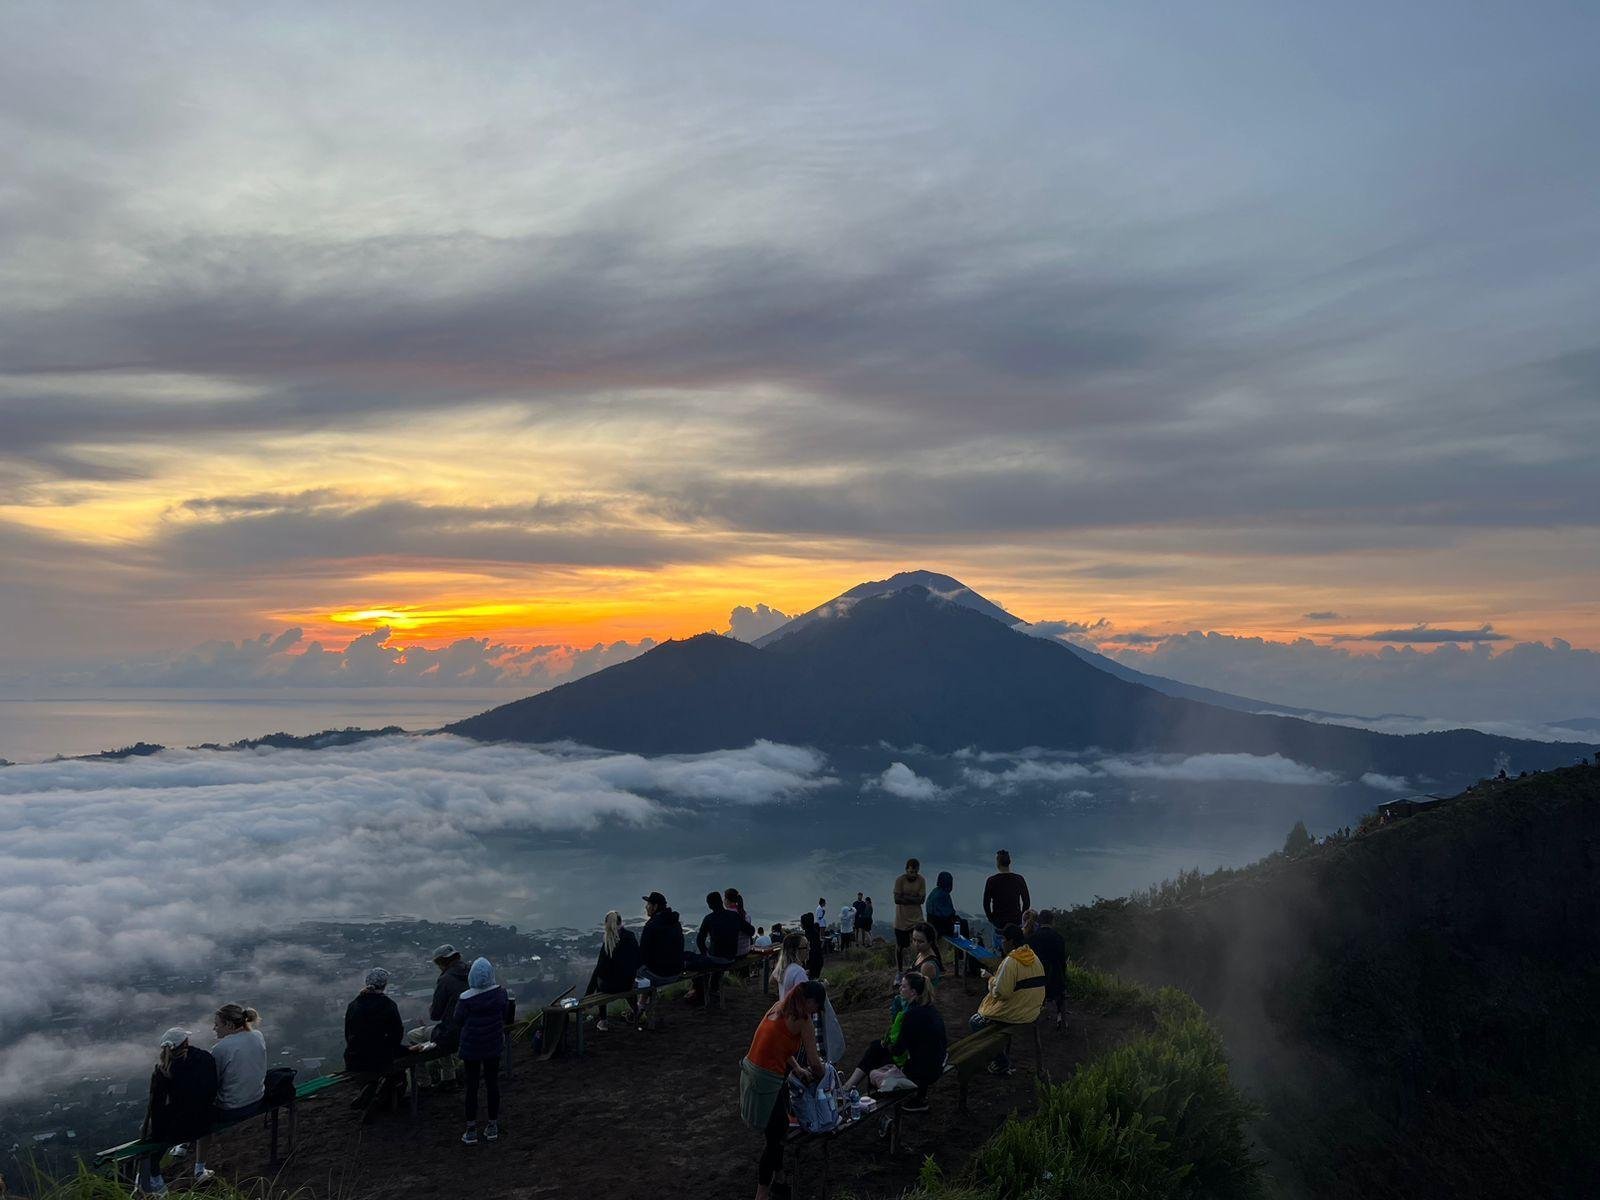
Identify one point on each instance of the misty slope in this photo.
(1413, 1006)
(909, 669)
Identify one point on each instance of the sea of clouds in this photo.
(116, 870)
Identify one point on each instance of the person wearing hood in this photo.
(183, 1092)
(1016, 991)
(481, 1013)
(941, 906)
(374, 1036)
(661, 943)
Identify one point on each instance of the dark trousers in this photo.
(777, 1130)
(879, 1055)
(489, 1069)
(712, 981)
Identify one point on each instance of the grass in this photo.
(88, 1184)
(1156, 1118)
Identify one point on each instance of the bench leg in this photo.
(577, 1037)
(272, 1141)
(1038, 1050)
(411, 1081)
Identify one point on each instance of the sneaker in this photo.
(204, 1175)
(915, 1105)
(491, 1131)
(603, 1025)
(470, 1137)
(999, 1068)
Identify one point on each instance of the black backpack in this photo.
(279, 1086)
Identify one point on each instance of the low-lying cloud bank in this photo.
(147, 867)
(1027, 769)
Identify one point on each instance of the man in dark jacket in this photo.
(661, 942)
(717, 943)
(442, 1028)
(374, 1036)
(1051, 948)
(1005, 895)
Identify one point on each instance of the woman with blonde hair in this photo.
(790, 968)
(617, 967)
(183, 1091)
(241, 1056)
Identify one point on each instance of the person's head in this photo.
(714, 901)
(480, 976)
(377, 980)
(808, 921)
(946, 880)
(1030, 921)
(654, 903)
(777, 931)
(923, 937)
(912, 866)
(794, 949)
(761, 931)
(1002, 859)
(233, 1018)
(859, 896)
(613, 931)
(914, 988)
(822, 902)
(1047, 916)
(732, 898)
(869, 900)
(445, 956)
(1011, 937)
(174, 1045)
(804, 1001)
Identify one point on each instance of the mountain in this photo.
(910, 668)
(956, 592)
(942, 586)
(1411, 1004)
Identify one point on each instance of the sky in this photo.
(519, 333)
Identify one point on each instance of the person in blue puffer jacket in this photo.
(481, 1017)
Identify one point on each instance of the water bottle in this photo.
(855, 1104)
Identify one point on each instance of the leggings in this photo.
(489, 1068)
(777, 1130)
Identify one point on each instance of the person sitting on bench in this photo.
(442, 1029)
(785, 1043)
(617, 968)
(1016, 991)
(916, 1042)
(763, 939)
(241, 1057)
(717, 945)
(183, 1092)
(482, 1012)
(925, 952)
(374, 1036)
(661, 942)
(1051, 948)
(790, 969)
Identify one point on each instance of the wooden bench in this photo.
(120, 1158)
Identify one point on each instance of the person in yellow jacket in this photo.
(1016, 991)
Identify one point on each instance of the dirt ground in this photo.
(647, 1114)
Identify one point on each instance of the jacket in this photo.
(920, 1045)
(1051, 948)
(181, 1104)
(940, 903)
(1005, 898)
(374, 1035)
(616, 972)
(661, 943)
(719, 933)
(1005, 1001)
(482, 1017)
(442, 1012)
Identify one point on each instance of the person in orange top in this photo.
(785, 1042)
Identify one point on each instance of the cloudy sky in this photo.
(557, 327)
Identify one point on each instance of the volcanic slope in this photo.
(909, 668)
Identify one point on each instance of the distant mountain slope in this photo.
(908, 668)
(1414, 1006)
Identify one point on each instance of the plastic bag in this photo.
(890, 1079)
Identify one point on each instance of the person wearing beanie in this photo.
(441, 1028)
(374, 1036)
(481, 1013)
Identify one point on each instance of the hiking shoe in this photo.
(491, 1131)
(470, 1137)
(997, 1068)
(603, 1025)
(914, 1106)
(203, 1176)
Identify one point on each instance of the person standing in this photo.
(847, 926)
(1005, 895)
(863, 908)
(813, 932)
(482, 1009)
(909, 892)
(1047, 942)
(822, 911)
(785, 1044)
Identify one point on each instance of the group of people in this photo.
(1031, 971)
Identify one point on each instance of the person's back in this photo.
(618, 970)
(661, 945)
(719, 934)
(482, 1016)
(183, 1096)
(374, 1035)
(241, 1060)
(451, 983)
(923, 1039)
(1051, 948)
(1009, 1002)
(1005, 894)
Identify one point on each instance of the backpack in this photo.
(279, 1086)
(817, 1106)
